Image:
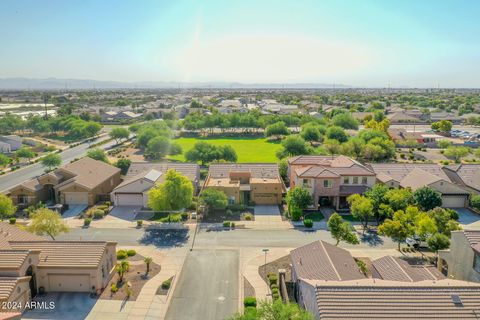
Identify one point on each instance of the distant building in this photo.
(10, 143)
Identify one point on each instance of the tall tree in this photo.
(45, 221)
(26, 153)
(399, 228)
(341, 230)
(377, 195)
(7, 209)
(174, 193)
(276, 129)
(298, 197)
(213, 199)
(98, 154)
(427, 198)
(276, 310)
(51, 161)
(119, 134)
(361, 208)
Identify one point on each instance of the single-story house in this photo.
(258, 183)
(10, 143)
(395, 269)
(142, 176)
(417, 175)
(30, 263)
(85, 181)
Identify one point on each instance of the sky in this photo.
(366, 43)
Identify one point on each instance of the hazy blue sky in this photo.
(357, 42)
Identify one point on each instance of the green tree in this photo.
(26, 153)
(7, 209)
(345, 120)
(276, 129)
(437, 242)
(174, 193)
(122, 268)
(283, 169)
(341, 230)
(399, 199)
(213, 199)
(399, 228)
(158, 147)
(123, 165)
(228, 153)
(119, 134)
(475, 201)
(442, 125)
(444, 221)
(92, 128)
(276, 310)
(45, 221)
(377, 195)
(206, 153)
(361, 209)
(337, 133)
(310, 133)
(98, 154)
(298, 197)
(444, 144)
(456, 153)
(148, 261)
(4, 160)
(427, 198)
(51, 161)
(293, 145)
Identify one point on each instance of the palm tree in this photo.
(147, 261)
(122, 268)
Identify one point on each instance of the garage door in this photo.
(453, 201)
(129, 199)
(265, 198)
(76, 198)
(69, 282)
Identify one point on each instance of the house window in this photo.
(231, 200)
(355, 180)
(22, 199)
(306, 183)
(346, 180)
(327, 183)
(476, 262)
(364, 180)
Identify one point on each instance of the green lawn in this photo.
(315, 216)
(248, 149)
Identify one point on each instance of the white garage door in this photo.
(76, 198)
(453, 201)
(129, 199)
(69, 282)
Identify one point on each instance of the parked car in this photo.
(415, 242)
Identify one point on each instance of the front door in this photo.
(32, 283)
(245, 197)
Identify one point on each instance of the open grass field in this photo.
(248, 149)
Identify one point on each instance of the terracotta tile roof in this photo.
(320, 260)
(380, 299)
(10, 232)
(65, 253)
(396, 269)
(12, 259)
(257, 170)
(473, 238)
(190, 170)
(336, 166)
(8, 284)
(88, 172)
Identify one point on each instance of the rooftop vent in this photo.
(457, 301)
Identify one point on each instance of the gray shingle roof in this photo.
(396, 269)
(257, 170)
(190, 170)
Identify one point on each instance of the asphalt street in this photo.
(16, 177)
(207, 287)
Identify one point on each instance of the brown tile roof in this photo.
(473, 238)
(379, 299)
(79, 254)
(8, 284)
(320, 260)
(330, 165)
(190, 170)
(12, 259)
(10, 232)
(398, 171)
(257, 170)
(88, 172)
(465, 174)
(396, 269)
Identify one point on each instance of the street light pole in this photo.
(265, 265)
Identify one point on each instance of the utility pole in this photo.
(265, 251)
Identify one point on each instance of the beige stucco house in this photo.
(29, 264)
(142, 176)
(85, 181)
(257, 183)
(330, 179)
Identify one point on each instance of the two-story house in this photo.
(330, 179)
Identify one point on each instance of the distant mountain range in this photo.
(54, 83)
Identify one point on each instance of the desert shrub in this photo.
(102, 207)
(229, 212)
(248, 216)
(139, 223)
(273, 286)
(226, 224)
(98, 214)
(108, 203)
(12, 220)
(113, 288)
(274, 290)
(184, 216)
(250, 302)
(295, 213)
(131, 252)
(272, 278)
(122, 254)
(232, 225)
(251, 312)
(275, 296)
(166, 284)
(402, 155)
(308, 223)
(87, 221)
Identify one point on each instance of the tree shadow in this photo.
(165, 237)
(371, 238)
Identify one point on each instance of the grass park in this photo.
(248, 149)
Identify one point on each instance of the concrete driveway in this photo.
(266, 210)
(125, 212)
(66, 305)
(74, 210)
(468, 218)
(207, 287)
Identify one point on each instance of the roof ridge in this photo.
(330, 260)
(403, 270)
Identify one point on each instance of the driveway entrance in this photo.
(207, 287)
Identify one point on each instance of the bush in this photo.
(184, 216)
(275, 296)
(308, 223)
(122, 254)
(250, 302)
(232, 225)
(272, 278)
(12, 220)
(273, 286)
(139, 223)
(248, 216)
(229, 212)
(98, 214)
(131, 252)
(475, 201)
(402, 155)
(236, 207)
(108, 203)
(226, 224)
(251, 312)
(274, 291)
(113, 288)
(87, 221)
(166, 284)
(295, 213)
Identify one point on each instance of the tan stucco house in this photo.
(29, 263)
(330, 179)
(142, 176)
(244, 183)
(85, 181)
